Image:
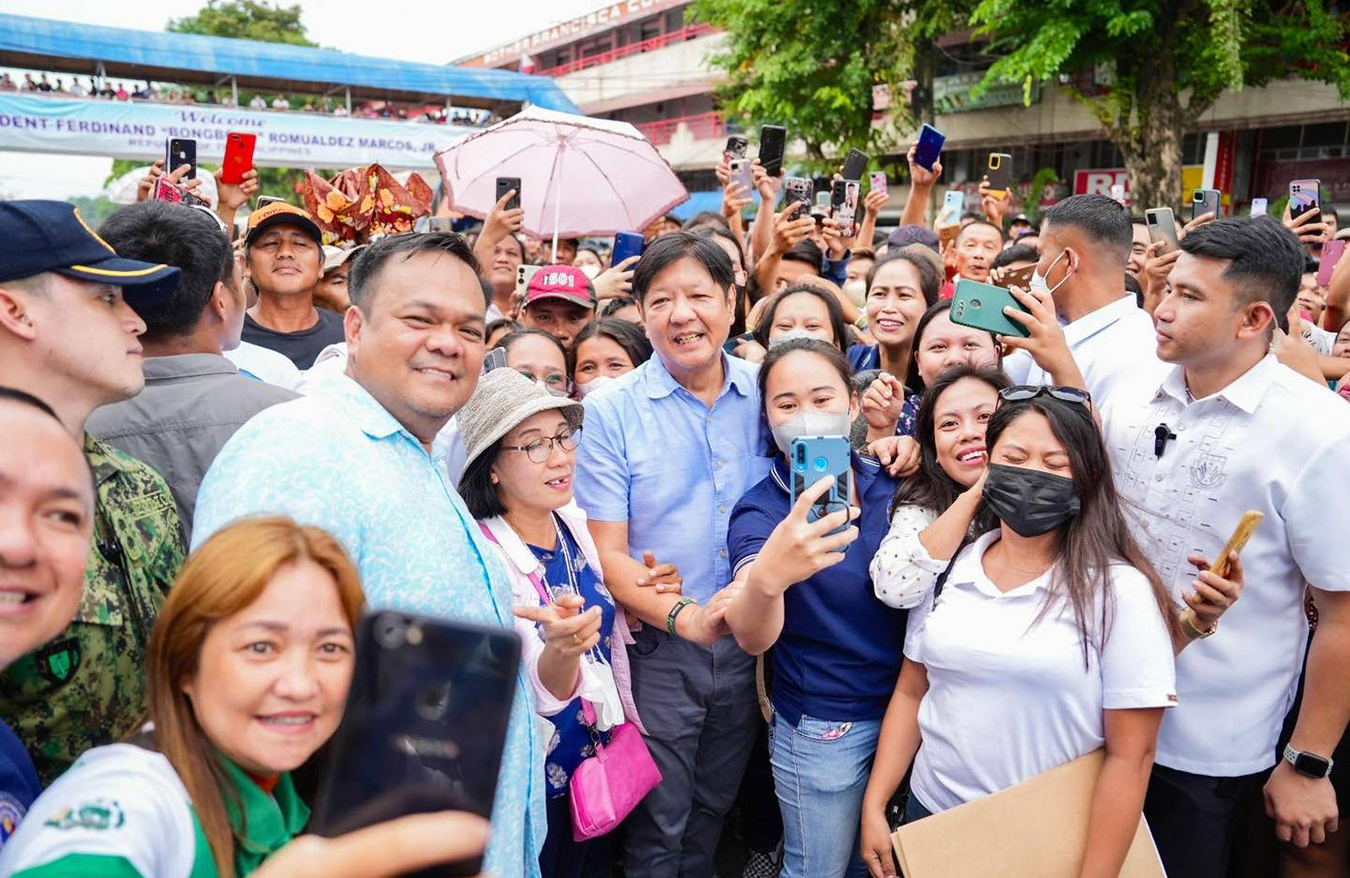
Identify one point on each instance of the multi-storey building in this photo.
(644, 62)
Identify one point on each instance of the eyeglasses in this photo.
(541, 449)
(1023, 392)
(555, 383)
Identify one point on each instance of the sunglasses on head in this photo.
(1023, 392)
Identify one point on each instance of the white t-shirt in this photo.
(265, 364)
(1010, 697)
(1272, 441)
(115, 801)
(1109, 345)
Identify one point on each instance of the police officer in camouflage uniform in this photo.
(68, 335)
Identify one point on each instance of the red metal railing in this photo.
(703, 126)
(686, 33)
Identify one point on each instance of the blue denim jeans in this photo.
(820, 771)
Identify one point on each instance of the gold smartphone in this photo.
(1241, 534)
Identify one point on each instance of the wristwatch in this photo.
(1307, 764)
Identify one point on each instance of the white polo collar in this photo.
(1090, 324)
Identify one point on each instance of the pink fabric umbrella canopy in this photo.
(579, 176)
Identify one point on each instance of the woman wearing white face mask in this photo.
(589, 261)
(807, 593)
(605, 350)
(520, 442)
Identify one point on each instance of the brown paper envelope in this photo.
(1037, 829)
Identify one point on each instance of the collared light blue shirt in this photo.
(655, 456)
(339, 460)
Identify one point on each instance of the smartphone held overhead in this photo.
(799, 191)
(1162, 226)
(509, 184)
(238, 159)
(929, 147)
(772, 141)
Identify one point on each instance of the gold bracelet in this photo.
(1194, 633)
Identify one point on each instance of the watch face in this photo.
(1310, 765)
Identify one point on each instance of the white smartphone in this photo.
(1258, 206)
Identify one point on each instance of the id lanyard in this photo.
(572, 586)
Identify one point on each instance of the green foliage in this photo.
(94, 210)
(811, 66)
(245, 20)
(1031, 205)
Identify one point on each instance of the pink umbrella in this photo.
(578, 176)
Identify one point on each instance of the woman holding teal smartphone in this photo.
(806, 592)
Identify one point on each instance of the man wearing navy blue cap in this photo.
(69, 335)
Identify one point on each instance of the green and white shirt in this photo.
(121, 811)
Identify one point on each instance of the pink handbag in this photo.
(608, 786)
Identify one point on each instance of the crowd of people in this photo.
(112, 90)
(220, 450)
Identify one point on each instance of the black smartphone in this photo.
(855, 164)
(929, 147)
(505, 185)
(736, 146)
(179, 151)
(425, 725)
(801, 191)
(1000, 171)
(772, 140)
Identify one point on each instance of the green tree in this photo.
(94, 209)
(249, 20)
(812, 66)
(1169, 61)
(245, 20)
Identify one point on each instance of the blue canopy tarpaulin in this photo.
(26, 41)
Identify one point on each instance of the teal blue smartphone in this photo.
(814, 457)
(980, 306)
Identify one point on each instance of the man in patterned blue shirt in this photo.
(356, 459)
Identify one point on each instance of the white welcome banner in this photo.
(134, 130)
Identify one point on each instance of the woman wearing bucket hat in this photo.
(520, 442)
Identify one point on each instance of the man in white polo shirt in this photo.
(1229, 429)
(1084, 247)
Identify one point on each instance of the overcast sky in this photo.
(431, 31)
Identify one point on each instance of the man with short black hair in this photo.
(1227, 429)
(1085, 243)
(194, 399)
(284, 253)
(690, 410)
(974, 250)
(355, 457)
(560, 300)
(69, 336)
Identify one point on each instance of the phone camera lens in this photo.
(801, 454)
(390, 630)
(975, 303)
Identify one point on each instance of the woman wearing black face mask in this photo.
(1051, 638)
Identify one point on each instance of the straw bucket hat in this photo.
(502, 399)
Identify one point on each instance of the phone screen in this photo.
(772, 140)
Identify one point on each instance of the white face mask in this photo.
(591, 271)
(1038, 284)
(598, 687)
(585, 387)
(811, 423)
